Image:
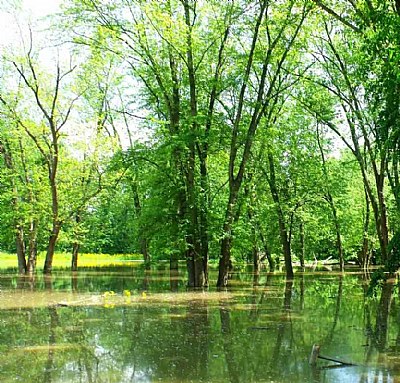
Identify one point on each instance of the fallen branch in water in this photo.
(315, 355)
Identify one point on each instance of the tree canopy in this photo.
(204, 131)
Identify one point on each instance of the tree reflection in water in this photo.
(259, 330)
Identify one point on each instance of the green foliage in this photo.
(149, 157)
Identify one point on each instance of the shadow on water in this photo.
(126, 324)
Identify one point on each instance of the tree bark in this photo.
(74, 258)
(32, 256)
(267, 252)
(203, 149)
(281, 219)
(48, 264)
(365, 245)
(302, 245)
(20, 244)
(226, 243)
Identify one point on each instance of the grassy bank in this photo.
(64, 260)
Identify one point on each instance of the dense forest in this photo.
(203, 130)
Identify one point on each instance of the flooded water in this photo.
(122, 324)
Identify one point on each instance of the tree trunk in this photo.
(203, 156)
(20, 244)
(384, 237)
(74, 258)
(193, 257)
(203, 216)
(76, 244)
(173, 105)
(281, 219)
(302, 245)
(226, 243)
(144, 249)
(235, 180)
(195, 261)
(48, 264)
(380, 217)
(32, 256)
(267, 252)
(365, 245)
(174, 262)
(256, 259)
(52, 165)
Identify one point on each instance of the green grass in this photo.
(63, 260)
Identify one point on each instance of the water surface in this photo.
(123, 324)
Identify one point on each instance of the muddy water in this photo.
(124, 325)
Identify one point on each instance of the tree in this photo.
(42, 121)
(169, 52)
(256, 101)
(361, 73)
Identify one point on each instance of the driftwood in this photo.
(316, 355)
